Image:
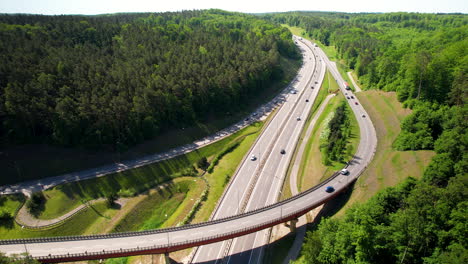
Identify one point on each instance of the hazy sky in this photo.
(249, 6)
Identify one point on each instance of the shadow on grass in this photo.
(8, 223)
(332, 207)
(97, 211)
(276, 251)
(134, 181)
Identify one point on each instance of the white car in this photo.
(253, 158)
(344, 171)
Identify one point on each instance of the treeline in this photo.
(117, 80)
(420, 56)
(424, 58)
(415, 222)
(339, 131)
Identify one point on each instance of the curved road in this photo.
(257, 183)
(172, 239)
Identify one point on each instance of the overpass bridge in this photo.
(160, 241)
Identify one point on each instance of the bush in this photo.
(203, 163)
(35, 204)
(5, 215)
(110, 199)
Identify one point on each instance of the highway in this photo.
(257, 183)
(172, 239)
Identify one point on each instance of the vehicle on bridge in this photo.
(346, 85)
(329, 189)
(344, 171)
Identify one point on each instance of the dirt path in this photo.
(356, 86)
(24, 218)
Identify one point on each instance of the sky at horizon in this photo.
(93, 7)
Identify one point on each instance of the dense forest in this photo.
(424, 58)
(116, 80)
(338, 131)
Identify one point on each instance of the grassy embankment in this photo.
(65, 197)
(28, 162)
(94, 187)
(389, 166)
(312, 170)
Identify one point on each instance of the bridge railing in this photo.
(165, 230)
(165, 247)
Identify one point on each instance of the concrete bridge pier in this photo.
(167, 259)
(292, 225)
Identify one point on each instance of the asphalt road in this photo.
(164, 240)
(266, 174)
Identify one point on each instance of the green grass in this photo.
(10, 203)
(352, 142)
(295, 30)
(57, 203)
(330, 84)
(64, 198)
(155, 209)
(28, 162)
(75, 226)
(149, 213)
(389, 166)
(222, 173)
(146, 215)
(311, 168)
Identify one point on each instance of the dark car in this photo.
(363, 115)
(307, 100)
(283, 151)
(329, 189)
(352, 97)
(356, 103)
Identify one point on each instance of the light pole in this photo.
(238, 201)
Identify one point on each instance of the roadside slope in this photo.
(389, 166)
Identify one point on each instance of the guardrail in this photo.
(165, 230)
(169, 247)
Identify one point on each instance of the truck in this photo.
(346, 85)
